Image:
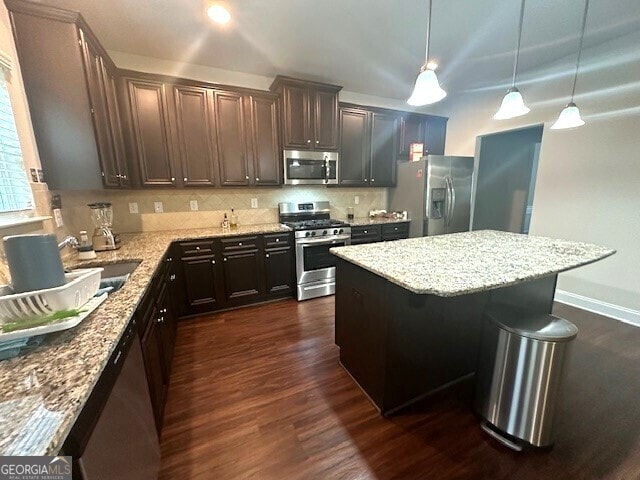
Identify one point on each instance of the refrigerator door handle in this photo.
(452, 201)
(447, 205)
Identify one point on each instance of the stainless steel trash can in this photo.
(519, 374)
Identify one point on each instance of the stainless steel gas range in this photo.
(315, 233)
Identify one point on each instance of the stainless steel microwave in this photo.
(310, 168)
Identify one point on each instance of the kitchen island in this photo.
(408, 313)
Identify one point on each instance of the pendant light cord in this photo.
(584, 24)
(426, 54)
(515, 63)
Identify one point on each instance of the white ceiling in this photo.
(368, 46)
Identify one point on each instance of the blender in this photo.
(103, 236)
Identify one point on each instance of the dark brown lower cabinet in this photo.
(168, 328)
(242, 280)
(251, 269)
(152, 352)
(279, 270)
(202, 284)
(379, 233)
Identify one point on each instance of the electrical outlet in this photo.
(254, 203)
(133, 207)
(356, 200)
(157, 207)
(194, 205)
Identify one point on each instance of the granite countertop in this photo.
(468, 262)
(364, 221)
(43, 392)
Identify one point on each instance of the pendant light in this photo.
(570, 115)
(427, 89)
(513, 104)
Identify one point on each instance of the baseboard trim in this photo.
(624, 314)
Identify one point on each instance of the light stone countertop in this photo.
(469, 262)
(43, 392)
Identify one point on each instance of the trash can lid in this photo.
(538, 326)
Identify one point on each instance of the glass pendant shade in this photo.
(569, 118)
(512, 105)
(427, 89)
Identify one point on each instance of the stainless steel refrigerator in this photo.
(436, 193)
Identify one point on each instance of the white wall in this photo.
(588, 184)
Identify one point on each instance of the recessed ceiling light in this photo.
(218, 14)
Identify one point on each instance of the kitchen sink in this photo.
(115, 275)
(118, 269)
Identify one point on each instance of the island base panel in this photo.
(401, 347)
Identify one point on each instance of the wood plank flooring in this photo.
(258, 393)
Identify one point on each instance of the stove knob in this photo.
(307, 234)
(340, 231)
(313, 234)
(335, 232)
(324, 233)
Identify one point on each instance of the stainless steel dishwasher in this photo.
(115, 436)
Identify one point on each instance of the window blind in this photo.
(15, 191)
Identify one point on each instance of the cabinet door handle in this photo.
(197, 248)
(365, 231)
(185, 179)
(169, 259)
(366, 179)
(239, 244)
(267, 255)
(246, 177)
(317, 141)
(213, 262)
(373, 179)
(277, 239)
(257, 179)
(308, 141)
(225, 259)
(172, 277)
(173, 179)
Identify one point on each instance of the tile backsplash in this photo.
(212, 204)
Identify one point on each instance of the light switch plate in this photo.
(356, 200)
(57, 215)
(157, 207)
(133, 207)
(254, 203)
(194, 205)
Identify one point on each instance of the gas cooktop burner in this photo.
(312, 224)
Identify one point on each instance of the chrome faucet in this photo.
(69, 241)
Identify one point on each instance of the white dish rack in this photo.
(82, 285)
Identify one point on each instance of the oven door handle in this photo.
(306, 242)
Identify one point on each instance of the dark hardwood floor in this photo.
(258, 393)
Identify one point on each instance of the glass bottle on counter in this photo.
(233, 220)
(225, 222)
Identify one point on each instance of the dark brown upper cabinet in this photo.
(309, 113)
(368, 144)
(428, 129)
(384, 140)
(353, 160)
(194, 135)
(150, 139)
(265, 145)
(68, 79)
(231, 138)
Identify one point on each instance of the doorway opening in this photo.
(505, 178)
